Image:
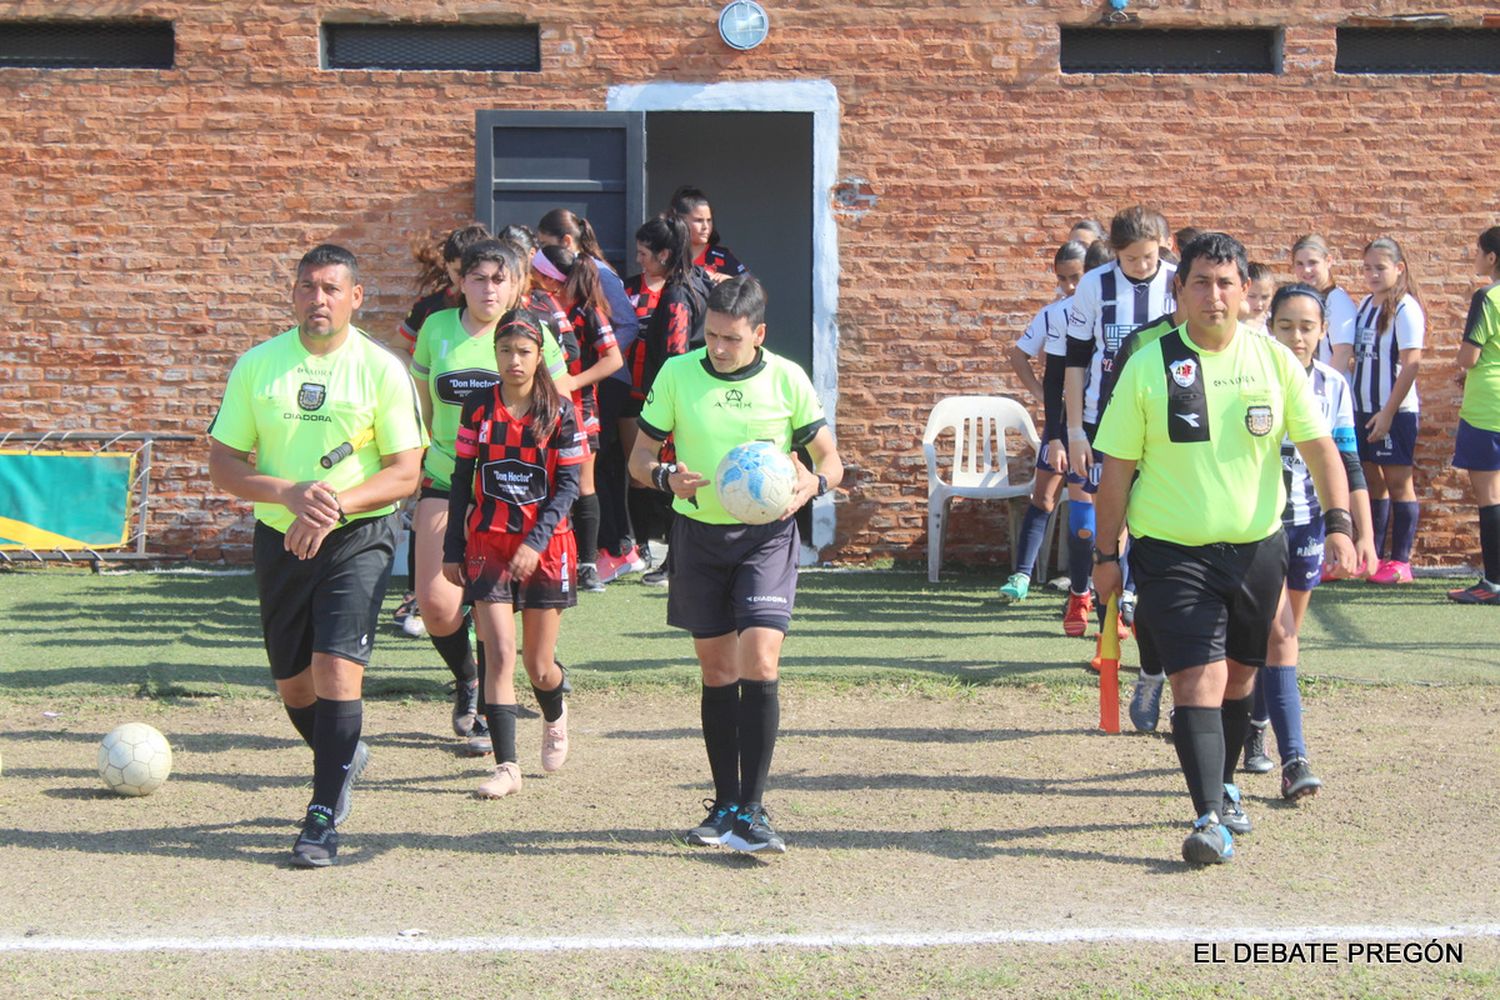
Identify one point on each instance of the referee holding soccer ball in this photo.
(732, 584)
(1200, 414)
(324, 533)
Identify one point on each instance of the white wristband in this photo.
(1077, 434)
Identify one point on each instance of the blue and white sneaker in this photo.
(715, 825)
(1233, 814)
(1209, 843)
(752, 831)
(1145, 702)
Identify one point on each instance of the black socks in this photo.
(586, 527)
(1198, 736)
(760, 718)
(335, 735)
(1236, 720)
(551, 702)
(721, 736)
(1489, 541)
(502, 720)
(304, 719)
(455, 651)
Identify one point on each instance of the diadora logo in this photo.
(312, 395)
(1191, 419)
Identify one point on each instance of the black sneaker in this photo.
(752, 832)
(1256, 761)
(656, 577)
(1210, 843)
(1232, 815)
(318, 843)
(465, 707)
(479, 743)
(588, 579)
(351, 775)
(1297, 780)
(715, 825)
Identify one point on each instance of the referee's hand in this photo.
(313, 502)
(685, 482)
(807, 488)
(303, 540)
(1107, 580)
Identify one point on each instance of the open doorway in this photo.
(756, 168)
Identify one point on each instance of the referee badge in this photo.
(1184, 372)
(1258, 420)
(311, 395)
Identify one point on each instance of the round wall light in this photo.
(743, 24)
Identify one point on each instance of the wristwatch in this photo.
(1105, 557)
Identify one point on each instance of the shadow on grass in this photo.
(243, 841)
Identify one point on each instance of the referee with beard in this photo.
(1200, 415)
(331, 419)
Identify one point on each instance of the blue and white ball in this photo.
(755, 482)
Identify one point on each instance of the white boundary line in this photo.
(416, 942)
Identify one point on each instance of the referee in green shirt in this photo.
(320, 427)
(733, 585)
(1200, 415)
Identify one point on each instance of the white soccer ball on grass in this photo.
(134, 759)
(755, 482)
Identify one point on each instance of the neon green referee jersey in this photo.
(1205, 431)
(1481, 405)
(708, 413)
(451, 363)
(291, 408)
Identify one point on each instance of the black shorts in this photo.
(1205, 603)
(327, 604)
(730, 577)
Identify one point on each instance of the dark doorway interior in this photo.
(756, 168)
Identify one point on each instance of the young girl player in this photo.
(1047, 335)
(1390, 329)
(573, 280)
(515, 550)
(1297, 319)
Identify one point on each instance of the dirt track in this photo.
(997, 809)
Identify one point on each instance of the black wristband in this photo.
(661, 476)
(1338, 522)
(822, 485)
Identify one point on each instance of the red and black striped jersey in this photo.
(543, 304)
(644, 299)
(718, 260)
(446, 298)
(596, 337)
(516, 480)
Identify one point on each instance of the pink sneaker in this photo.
(611, 567)
(555, 742)
(505, 781)
(1391, 572)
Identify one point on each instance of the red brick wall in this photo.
(150, 218)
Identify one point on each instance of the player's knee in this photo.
(1081, 519)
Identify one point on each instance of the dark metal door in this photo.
(527, 163)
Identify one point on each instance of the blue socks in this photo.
(1380, 518)
(1033, 531)
(1284, 708)
(1404, 515)
(1080, 550)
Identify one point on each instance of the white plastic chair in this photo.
(981, 467)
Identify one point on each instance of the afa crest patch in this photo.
(1258, 420)
(1184, 372)
(312, 396)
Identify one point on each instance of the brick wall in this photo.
(151, 218)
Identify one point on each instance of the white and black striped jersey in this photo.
(1106, 307)
(1377, 356)
(1338, 309)
(1047, 331)
(1331, 390)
